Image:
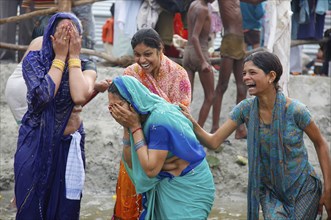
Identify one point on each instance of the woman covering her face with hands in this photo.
(156, 131)
(281, 179)
(161, 76)
(49, 161)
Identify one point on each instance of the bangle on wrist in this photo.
(74, 62)
(58, 64)
(126, 142)
(139, 144)
(137, 129)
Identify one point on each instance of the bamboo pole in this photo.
(42, 12)
(127, 61)
(122, 61)
(301, 42)
(28, 15)
(84, 2)
(64, 5)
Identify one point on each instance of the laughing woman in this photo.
(281, 179)
(162, 77)
(186, 192)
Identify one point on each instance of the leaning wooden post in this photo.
(64, 5)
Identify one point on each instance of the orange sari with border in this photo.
(172, 84)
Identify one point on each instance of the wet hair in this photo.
(149, 37)
(113, 89)
(267, 62)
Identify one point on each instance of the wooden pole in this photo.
(42, 12)
(64, 5)
(84, 2)
(28, 15)
(111, 60)
(302, 42)
(122, 61)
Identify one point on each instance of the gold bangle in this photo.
(74, 63)
(58, 64)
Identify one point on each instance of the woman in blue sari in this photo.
(281, 179)
(157, 131)
(49, 161)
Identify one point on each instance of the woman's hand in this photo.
(187, 114)
(174, 165)
(60, 42)
(125, 115)
(102, 85)
(75, 42)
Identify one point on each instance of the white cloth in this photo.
(75, 173)
(125, 26)
(296, 59)
(148, 14)
(15, 93)
(278, 35)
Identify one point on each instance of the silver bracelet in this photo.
(139, 144)
(126, 142)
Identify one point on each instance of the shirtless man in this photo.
(232, 52)
(196, 56)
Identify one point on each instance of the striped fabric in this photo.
(305, 205)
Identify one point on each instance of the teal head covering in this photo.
(142, 100)
(165, 128)
(181, 140)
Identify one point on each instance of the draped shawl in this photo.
(46, 118)
(277, 154)
(182, 140)
(171, 83)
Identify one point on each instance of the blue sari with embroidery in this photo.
(42, 150)
(188, 196)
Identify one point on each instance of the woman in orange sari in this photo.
(164, 78)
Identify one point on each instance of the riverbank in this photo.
(103, 148)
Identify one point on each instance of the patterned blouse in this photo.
(296, 164)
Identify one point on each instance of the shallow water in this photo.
(100, 207)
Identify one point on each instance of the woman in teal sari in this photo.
(157, 131)
(281, 179)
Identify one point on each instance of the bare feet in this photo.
(241, 132)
